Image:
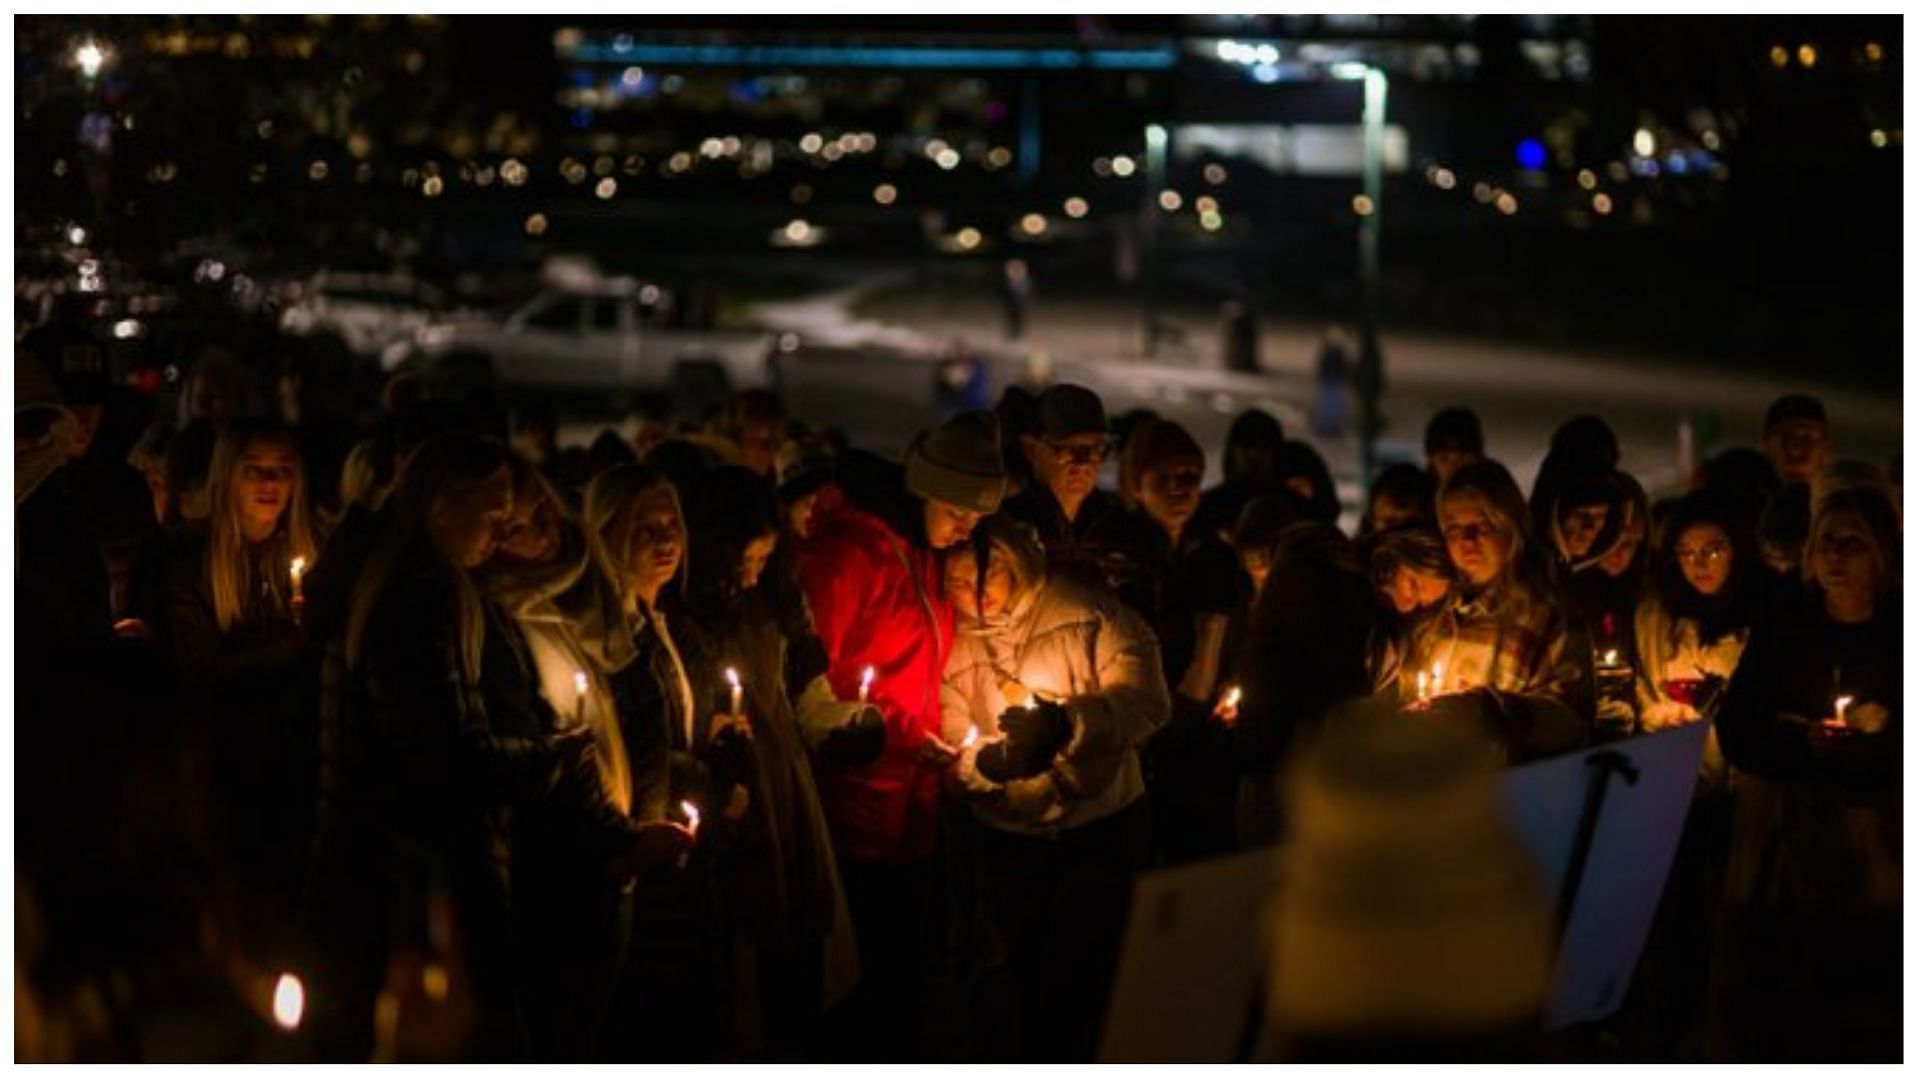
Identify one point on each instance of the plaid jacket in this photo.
(1510, 639)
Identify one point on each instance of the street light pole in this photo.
(1370, 376)
(1149, 227)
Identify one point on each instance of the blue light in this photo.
(626, 50)
(1266, 73)
(1532, 154)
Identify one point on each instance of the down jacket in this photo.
(1082, 648)
(877, 603)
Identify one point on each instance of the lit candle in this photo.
(1032, 702)
(289, 1001)
(1420, 683)
(579, 698)
(1840, 705)
(973, 736)
(733, 681)
(866, 683)
(1611, 659)
(693, 815)
(298, 570)
(1232, 700)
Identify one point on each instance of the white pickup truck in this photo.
(596, 338)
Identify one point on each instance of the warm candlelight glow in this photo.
(973, 736)
(297, 570)
(289, 1001)
(866, 682)
(1032, 702)
(1420, 685)
(579, 698)
(1434, 683)
(1840, 705)
(1232, 701)
(733, 681)
(693, 815)
(1612, 658)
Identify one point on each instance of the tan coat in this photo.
(1085, 650)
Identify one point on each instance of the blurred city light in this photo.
(89, 57)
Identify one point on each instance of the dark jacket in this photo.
(1105, 546)
(1817, 816)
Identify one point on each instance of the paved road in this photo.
(869, 362)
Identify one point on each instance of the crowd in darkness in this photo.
(737, 742)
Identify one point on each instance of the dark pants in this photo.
(1059, 905)
(899, 916)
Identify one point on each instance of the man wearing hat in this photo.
(1796, 438)
(1088, 533)
(871, 575)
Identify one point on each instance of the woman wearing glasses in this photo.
(1691, 629)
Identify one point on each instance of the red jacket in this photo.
(877, 601)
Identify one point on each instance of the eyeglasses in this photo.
(1079, 453)
(1701, 557)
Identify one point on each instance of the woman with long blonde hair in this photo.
(231, 626)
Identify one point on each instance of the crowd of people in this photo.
(739, 743)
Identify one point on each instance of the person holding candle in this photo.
(786, 904)
(1064, 834)
(1598, 523)
(1708, 593)
(871, 577)
(419, 785)
(1813, 889)
(1414, 580)
(1506, 632)
(679, 963)
(576, 851)
(1313, 641)
(231, 627)
(1197, 599)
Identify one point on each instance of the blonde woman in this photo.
(1506, 630)
(231, 626)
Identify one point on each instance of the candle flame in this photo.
(299, 566)
(1612, 657)
(733, 679)
(1232, 700)
(435, 982)
(866, 681)
(289, 1001)
(580, 683)
(973, 736)
(1840, 705)
(693, 815)
(1420, 683)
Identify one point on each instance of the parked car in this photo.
(370, 312)
(597, 336)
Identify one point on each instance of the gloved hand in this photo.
(1034, 735)
(859, 742)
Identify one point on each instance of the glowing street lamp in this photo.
(89, 57)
